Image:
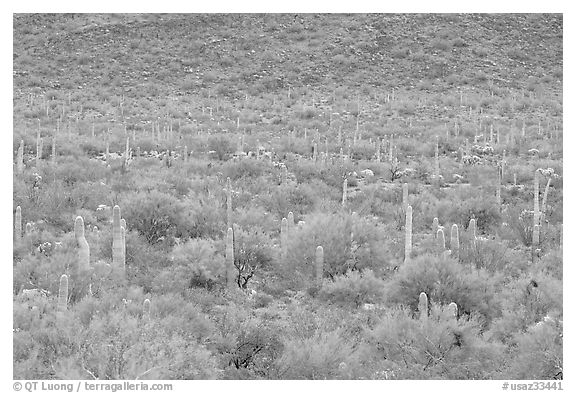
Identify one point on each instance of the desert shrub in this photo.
(222, 145)
(201, 264)
(353, 288)
(494, 256)
(297, 199)
(156, 215)
(244, 169)
(350, 243)
(120, 347)
(326, 355)
(252, 252)
(538, 353)
(526, 301)
(483, 209)
(444, 280)
(433, 348)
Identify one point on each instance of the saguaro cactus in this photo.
(344, 192)
(18, 224)
(127, 152)
(117, 240)
(290, 222)
(39, 146)
(454, 240)
(536, 197)
(63, 293)
(53, 156)
(284, 174)
(536, 232)
(436, 164)
(146, 309)
(435, 225)
(319, 264)
(83, 247)
(284, 237)
(472, 230)
(545, 199)
(315, 152)
(404, 196)
(123, 226)
(441, 239)
(228, 203)
(453, 310)
(230, 282)
(423, 306)
(499, 189)
(20, 158)
(408, 234)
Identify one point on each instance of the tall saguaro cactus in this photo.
(146, 309)
(83, 247)
(63, 293)
(545, 199)
(53, 156)
(454, 240)
(284, 237)
(319, 264)
(436, 164)
(472, 230)
(18, 224)
(408, 234)
(230, 282)
(435, 225)
(127, 153)
(39, 146)
(20, 158)
(228, 203)
(441, 239)
(423, 306)
(536, 199)
(290, 219)
(499, 189)
(404, 196)
(344, 192)
(117, 240)
(123, 226)
(453, 310)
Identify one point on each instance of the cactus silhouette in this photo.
(284, 237)
(290, 219)
(319, 264)
(230, 282)
(18, 224)
(423, 306)
(63, 293)
(404, 196)
(408, 234)
(228, 203)
(83, 247)
(20, 158)
(453, 310)
(435, 225)
(146, 309)
(117, 241)
(441, 239)
(454, 240)
(344, 192)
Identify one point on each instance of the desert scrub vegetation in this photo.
(288, 197)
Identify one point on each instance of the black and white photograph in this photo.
(287, 196)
